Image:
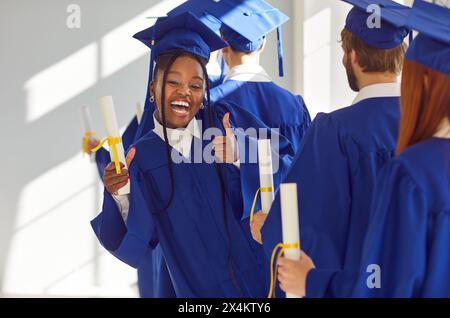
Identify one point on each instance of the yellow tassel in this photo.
(252, 211)
(87, 135)
(112, 142)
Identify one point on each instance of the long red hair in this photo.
(425, 103)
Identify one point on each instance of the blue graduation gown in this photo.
(335, 171)
(216, 80)
(409, 231)
(191, 232)
(273, 105)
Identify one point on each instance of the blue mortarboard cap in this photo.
(245, 23)
(431, 47)
(197, 8)
(393, 17)
(183, 32)
(178, 33)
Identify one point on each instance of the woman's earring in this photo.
(152, 99)
(202, 106)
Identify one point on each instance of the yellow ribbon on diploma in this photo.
(87, 135)
(252, 211)
(112, 142)
(273, 277)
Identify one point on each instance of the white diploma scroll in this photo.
(139, 112)
(265, 174)
(86, 119)
(86, 124)
(112, 129)
(289, 221)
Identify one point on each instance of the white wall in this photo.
(325, 81)
(313, 54)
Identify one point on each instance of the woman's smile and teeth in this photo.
(180, 108)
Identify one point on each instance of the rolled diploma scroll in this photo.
(139, 112)
(265, 174)
(86, 124)
(86, 119)
(112, 129)
(289, 222)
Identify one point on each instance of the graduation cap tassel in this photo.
(260, 190)
(152, 55)
(277, 252)
(150, 72)
(112, 142)
(222, 69)
(280, 52)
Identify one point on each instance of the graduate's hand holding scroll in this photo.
(91, 144)
(226, 147)
(113, 181)
(256, 225)
(292, 274)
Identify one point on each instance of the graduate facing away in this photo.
(409, 233)
(406, 250)
(192, 210)
(343, 151)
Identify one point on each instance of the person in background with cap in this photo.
(191, 209)
(344, 150)
(244, 25)
(406, 251)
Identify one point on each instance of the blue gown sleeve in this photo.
(128, 242)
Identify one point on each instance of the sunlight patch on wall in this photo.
(119, 48)
(62, 81)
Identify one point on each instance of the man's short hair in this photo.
(373, 59)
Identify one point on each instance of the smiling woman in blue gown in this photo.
(192, 210)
